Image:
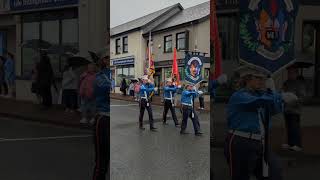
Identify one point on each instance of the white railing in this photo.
(4, 5)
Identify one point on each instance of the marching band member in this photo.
(169, 93)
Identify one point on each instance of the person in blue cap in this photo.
(146, 90)
(102, 85)
(169, 93)
(187, 98)
(248, 112)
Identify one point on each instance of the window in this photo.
(29, 55)
(181, 41)
(168, 44)
(126, 72)
(125, 44)
(118, 46)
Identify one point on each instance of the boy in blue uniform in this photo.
(248, 112)
(102, 86)
(187, 98)
(169, 92)
(145, 91)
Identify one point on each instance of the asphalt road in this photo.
(33, 151)
(162, 155)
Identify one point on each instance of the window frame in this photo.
(118, 45)
(125, 50)
(185, 41)
(165, 44)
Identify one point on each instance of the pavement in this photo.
(165, 154)
(37, 151)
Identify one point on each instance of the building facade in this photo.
(172, 27)
(82, 25)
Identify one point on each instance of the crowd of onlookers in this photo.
(77, 87)
(7, 75)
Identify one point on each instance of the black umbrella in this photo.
(62, 49)
(134, 80)
(36, 44)
(78, 61)
(94, 56)
(301, 65)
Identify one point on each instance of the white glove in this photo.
(200, 92)
(289, 97)
(222, 79)
(194, 88)
(179, 86)
(270, 84)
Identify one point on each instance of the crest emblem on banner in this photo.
(267, 32)
(193, 68)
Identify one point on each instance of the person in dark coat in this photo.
(3, 84)
(123, 87)
(45, 79)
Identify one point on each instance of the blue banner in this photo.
(267, 33)
(193, 68)
(38, 4)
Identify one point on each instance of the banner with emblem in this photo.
(193, 68)
(267, 33)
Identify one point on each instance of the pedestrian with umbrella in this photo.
(249, 112)
(123, 87)
(45, 79)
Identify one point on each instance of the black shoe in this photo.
(153, 129)
(142, 128)
(198, 133)
(183, 132)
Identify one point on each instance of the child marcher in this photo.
(69, 89)
(88, 106)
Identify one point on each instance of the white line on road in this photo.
(124, 105)
(44, 138)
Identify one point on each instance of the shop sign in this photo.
(16, 5)
(123, 62)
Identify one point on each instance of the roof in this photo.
(187, 15)
(140, 22)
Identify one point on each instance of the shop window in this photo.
(168, 44)
(70, 37)
(126, 72)
(182, 41)
(118, 46)
(30, 56)
(125, 44)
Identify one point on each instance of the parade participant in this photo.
(169, 92)
(222, 79)
(102, 87)
(146, 89)
(248, 114)
(187, 98)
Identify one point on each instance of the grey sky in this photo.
(123, 11)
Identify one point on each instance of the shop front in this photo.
(123, 68)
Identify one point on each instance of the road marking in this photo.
(44, 138)
(124, 105)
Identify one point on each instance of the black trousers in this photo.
(187, 112)
(244, 157)
(201, 100)
(167, 106)
(70, 98)
(143, 106)
(102, 148)
(293, 129)
(45, 93)
(4, 88)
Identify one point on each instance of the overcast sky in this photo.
(123, 11)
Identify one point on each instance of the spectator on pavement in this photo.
(202, 90)
(34, 85)
(295, 89)
(45, 79)
(3, 84)
(9, 73)
(88, 105)
(69, 89)
(123, 87)
(131, 89)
